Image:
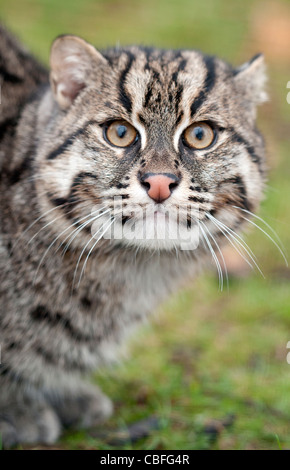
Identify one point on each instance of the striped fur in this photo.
(56, 167)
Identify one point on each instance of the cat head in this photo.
(141, 135)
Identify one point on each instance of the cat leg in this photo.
(83, 408)
(25, 417)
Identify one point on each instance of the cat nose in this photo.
(159, 186)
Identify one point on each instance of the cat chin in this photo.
(161, 245)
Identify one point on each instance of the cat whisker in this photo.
(46, 225)
(270, 238)
(94, 245)
(37, 220)
(57, 218)
(234, 234)
(219, 250)
(76, 231)
(281, 247)
(230, 237)
(214, 256)
(261, 220)
(57, 238)
(80, 257)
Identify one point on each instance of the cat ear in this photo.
(71, 62)
(251, 78)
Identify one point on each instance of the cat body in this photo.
(102, 127)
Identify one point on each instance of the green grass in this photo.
(203, 360)
(206, 355)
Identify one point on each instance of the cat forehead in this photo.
(157, 67)
(161, 62)
(163, 81)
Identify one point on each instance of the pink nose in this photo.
(159, 186)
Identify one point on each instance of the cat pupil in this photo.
(199, 133)
(121, 131)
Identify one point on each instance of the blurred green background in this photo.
(211, 366)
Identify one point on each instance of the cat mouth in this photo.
(153, 226)
(159, 214)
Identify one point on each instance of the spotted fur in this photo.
(56, 167)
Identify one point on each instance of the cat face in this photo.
(162, 143)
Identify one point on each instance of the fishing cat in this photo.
(81, 148)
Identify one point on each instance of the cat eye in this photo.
(120, 133)
(199, 135)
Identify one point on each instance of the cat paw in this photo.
(84, 410)
(37, 424)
